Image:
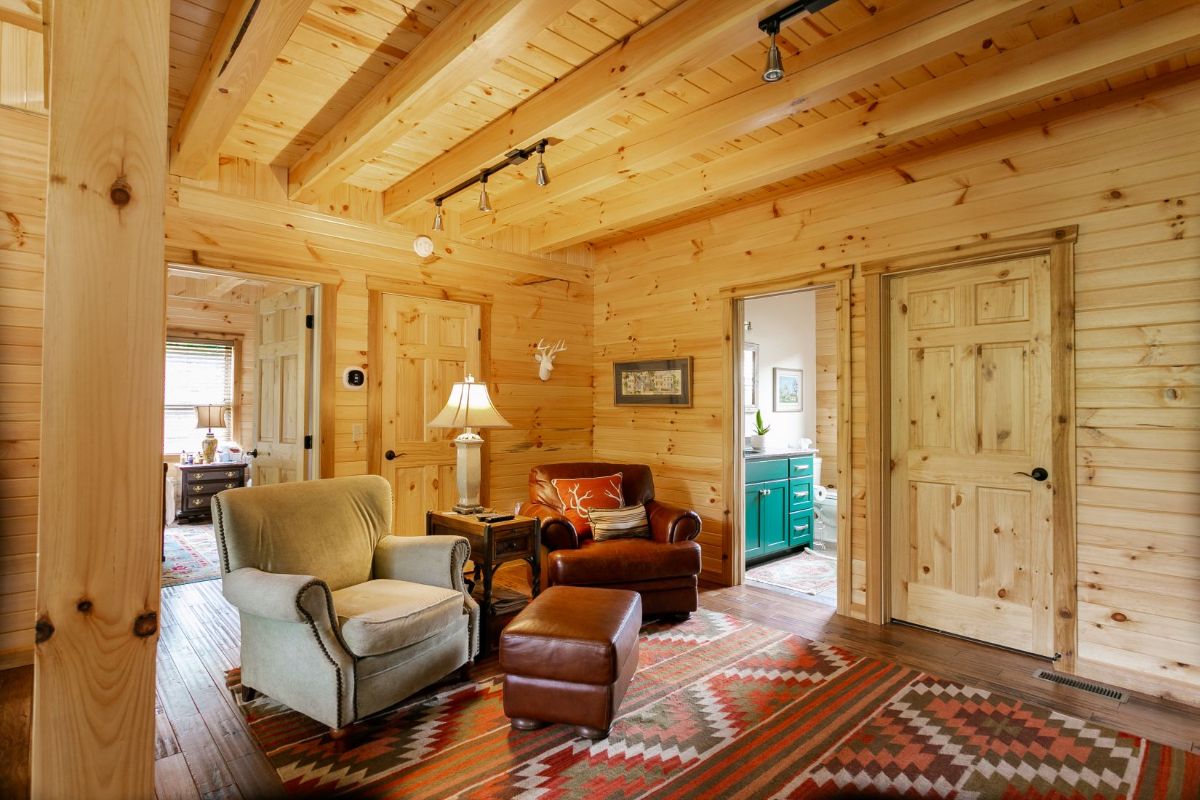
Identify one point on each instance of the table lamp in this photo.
(469, 407)
(210, 417)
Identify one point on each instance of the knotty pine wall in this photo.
(240, 219)
(826, 378)
(22, 252)
(1128, 175)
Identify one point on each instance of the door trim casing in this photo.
(1058, 245)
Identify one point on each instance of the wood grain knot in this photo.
(43, 630)
(120, 192)
(1119, 617)
(84, 606)
(146, 624)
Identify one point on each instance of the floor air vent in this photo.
(1076, 683)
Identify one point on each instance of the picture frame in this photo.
(750, 396)
(789, 389)
(662, 382)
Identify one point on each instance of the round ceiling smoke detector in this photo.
(423, 246)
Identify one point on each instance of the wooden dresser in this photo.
(200, 482)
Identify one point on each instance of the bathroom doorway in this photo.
(791, 373)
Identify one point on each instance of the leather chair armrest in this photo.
(670, 523)
(274, 595)
(557, 531)
(431, 560)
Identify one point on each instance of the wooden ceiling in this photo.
(657, 105)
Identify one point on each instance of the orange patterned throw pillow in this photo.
(580, 494)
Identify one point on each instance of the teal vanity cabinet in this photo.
(779, 505)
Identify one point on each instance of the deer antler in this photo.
(558, 348)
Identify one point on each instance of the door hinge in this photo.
(308, 321)
(308, 442)
(479, 334)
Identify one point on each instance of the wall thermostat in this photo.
(354, 378)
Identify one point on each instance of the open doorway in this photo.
(239, 406)
(789, 483)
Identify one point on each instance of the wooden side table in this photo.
(200, 483)
(492, 544)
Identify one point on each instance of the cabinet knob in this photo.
(763, 492)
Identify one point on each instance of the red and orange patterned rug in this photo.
(722, 708)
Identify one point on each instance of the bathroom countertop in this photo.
(765, 454)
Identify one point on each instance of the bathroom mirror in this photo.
(750, 376)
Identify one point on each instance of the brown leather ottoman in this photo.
(569, 656)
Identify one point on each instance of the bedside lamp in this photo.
(469, 407)
(210, 417)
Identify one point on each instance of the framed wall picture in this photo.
(666, 382)
(789, 389)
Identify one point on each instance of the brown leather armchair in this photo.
(662, 569)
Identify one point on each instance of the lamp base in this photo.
(208, 446)
(468, 444)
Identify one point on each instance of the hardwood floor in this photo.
(204, 750)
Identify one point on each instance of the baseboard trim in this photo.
(16, 657)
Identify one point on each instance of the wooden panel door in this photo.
(425, 347)
(972, 538)
(281, 383)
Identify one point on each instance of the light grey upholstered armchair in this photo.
(340, 618)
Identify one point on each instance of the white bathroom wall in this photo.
(784, 328)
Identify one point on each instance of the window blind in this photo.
(198, 373)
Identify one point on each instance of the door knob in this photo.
(252, 453)
(390, 455)
(1038, 474)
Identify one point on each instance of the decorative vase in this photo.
(208, 446)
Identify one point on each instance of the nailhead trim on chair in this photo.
(224, 547)
(312, 624)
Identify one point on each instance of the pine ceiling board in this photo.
(343, 36)
(575, 29)
(563, 48)
(323, 51)
(539, 61)
(197, 14)
(640, 12)
(1091, 9)
(396, 23)
(604, 19)
(199, 33)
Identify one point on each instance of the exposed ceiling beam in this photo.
(688, 37)
(897, 39)
(225, 286)
(22, 13)
(1126, 39)
(250, 37)
(470, 41)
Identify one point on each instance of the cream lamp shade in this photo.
(210, 417)
(469, 407)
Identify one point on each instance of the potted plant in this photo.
(757, 441)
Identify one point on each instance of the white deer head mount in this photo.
(545, 357)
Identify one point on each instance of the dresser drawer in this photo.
(800, 467)
(800, 528)
(769, 469)
(800, 494)
(212, 487)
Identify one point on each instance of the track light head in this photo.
(485, 204)
(437, 216)
(774, 70)
(543, 177)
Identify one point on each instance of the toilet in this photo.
(825, 513)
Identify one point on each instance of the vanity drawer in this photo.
(800, 493)
(769, 469)
(800, 528)
(800, 467)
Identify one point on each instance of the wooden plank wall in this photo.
(826, 377)
(22, 70)
(1125, 171)
(22, 251)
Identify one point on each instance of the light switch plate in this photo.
(356, 432)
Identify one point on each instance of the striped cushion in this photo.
(627, 522)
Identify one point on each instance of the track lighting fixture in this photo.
(770, 25)
(774, 70)
(513, 157)
(543, 177)
(485, 204)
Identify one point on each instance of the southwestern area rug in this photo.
(191, 554)
(722, 708)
